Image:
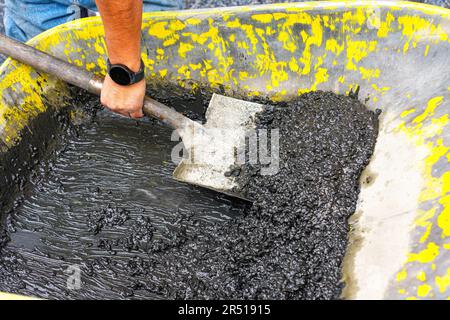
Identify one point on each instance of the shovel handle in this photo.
(82, 78)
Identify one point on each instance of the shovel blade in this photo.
(216, 149)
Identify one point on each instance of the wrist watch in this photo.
(122, 75)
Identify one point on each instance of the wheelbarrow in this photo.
(398, 53)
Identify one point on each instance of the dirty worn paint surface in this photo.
(398, 52)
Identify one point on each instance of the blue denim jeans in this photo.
(24, 19)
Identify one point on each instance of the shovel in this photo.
(213, 149)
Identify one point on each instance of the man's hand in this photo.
(122, 21)
(125, 100)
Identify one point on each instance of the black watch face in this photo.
(120, 75)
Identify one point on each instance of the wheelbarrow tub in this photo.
(398, 53)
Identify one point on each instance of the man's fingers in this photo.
(137, 114)
(124, 100)
(129, 114)
(121, 111)
(125, 111)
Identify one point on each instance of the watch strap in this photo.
(135, 77)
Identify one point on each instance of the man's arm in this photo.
(122, 21)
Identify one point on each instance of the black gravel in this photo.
(109, 216)
(301, 212)
(196, 4)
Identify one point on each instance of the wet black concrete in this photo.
(104, 201)
(301, 212)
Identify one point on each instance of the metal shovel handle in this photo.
(82, 78)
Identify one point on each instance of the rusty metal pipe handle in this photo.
(82, 78)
